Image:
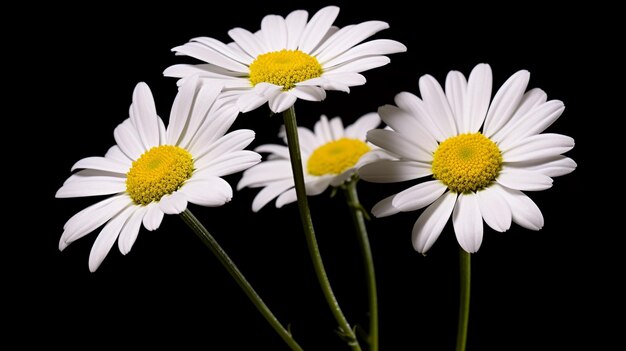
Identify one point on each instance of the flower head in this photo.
(330, 156)
(288, 58)
(481, 155)
(153, 170)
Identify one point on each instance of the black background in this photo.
(551, 289)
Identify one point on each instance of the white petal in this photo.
(415, 107)
(537, 147)
(213, 128)
(285, 198)
(322, 131)
(92, 186)
(344, 176)
(282, 101)
(129, 233)
(274, 31)
(127, 138)
(494, 209)
(247, 41)
(276, 150)
(418, 196)
(327, 84)
(456, 91)
(174, 203)
(106, 239)
(144, 116)
(533, 122)
(296, 21)
(437, 105)
(384, 207)
(478, 98)
(349, 79)
(251, 100)
(370, 48)
(399, 144)
(233, 141)
(209, 55)
(204, 99)
(533, 98)
(467, 222)
(209, 191)
(153, 217)
(359, 65)
(349, 39)
(230, 163)
(552, 167)
(115, 153)
(400, 121)
(365, 123)
(87, 220)
(218, 46)
(270, 192)
(525, 212)
(317, 186)
(431, 222)
(317, 28)
(520, 179)
(265, 173)
(181, 109)
(336, 128)
(309, 93)
(389, 171)
(103, 164)
(505, 102)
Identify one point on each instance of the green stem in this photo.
(464, 299)
(230, 266)
(356, 210)
(291, 128)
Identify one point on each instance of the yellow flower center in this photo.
(284, 68)
(467, 162)
(336, 156)
(158, 172)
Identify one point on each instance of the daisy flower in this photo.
(153, 170)
(330, 156)
(288, 59)
(481, 155)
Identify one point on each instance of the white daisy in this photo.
(330, 156)
(153, 170)
(288, 58)
(481, 156)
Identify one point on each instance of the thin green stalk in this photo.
(356, 209)
(230, 266)
(464, 299)
(291, 128)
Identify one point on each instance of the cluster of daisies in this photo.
(476, 154)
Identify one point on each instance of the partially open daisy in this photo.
(288, 58)
(481, 156)
(330, 156)
(153, 170)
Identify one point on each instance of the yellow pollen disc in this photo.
(336, 156)
(467, 162)
(158, 172)
(284, 68)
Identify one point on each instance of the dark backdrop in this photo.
(530, 290)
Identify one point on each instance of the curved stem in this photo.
(464, 299)
(230, 266)
(291, 128)
(356, 209)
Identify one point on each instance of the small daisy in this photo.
(153, 170)
(330, 156)
(288, 58)
(481, 156)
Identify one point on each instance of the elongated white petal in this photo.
(520, 179)
(456, 91)
(418, 196)
(494, 209)
(437, 105)
(345, 78)
(349, 39)
(537, 147)
(274, 29)
(218, 46)
(230, 163)
(210, 192)
(391, 171)
(385, 207)
(174, 203)
(370, 48)
(129, 232)
(207, 54)
(201, 111)
(106, 238)
(415, 107)
(317, 28)
(551, 167)
(399, 144)
(282, 101)
(296, 21)
(233, 141)
(467, 222)
(153, 217)
(359, 129)
(506, 102)
(277, 150)
(92, 186)
(309, 93)
(247, 41)
(533, 122)
(430, 223)
(336, 128)
(478, 98)
(265, 173)
(270, 192)
(181, 110)
(524, 211)
(144, 116)
(400, 121)
(103, 164)
(359, 65)
(322, 130)
(127, 138)
(115, 153)
(285, 198)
